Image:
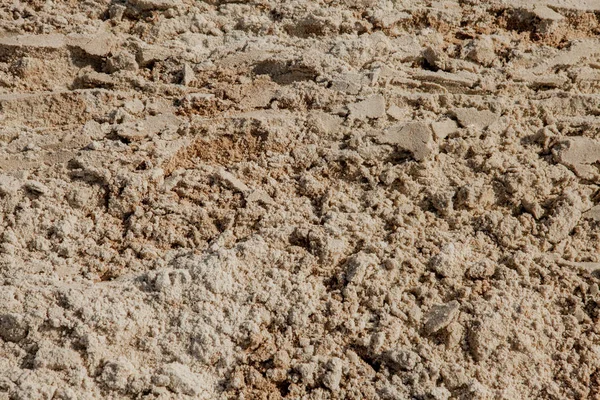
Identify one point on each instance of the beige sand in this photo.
(335, 199)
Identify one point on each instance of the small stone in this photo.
(414, 137)
(325, 123)
(163, 124)
(96, 79)
(436, 58)
(397, 113)
(443, 129)
(122, 61)
(481, 51)
(348, 83)
(232, 182)
(188, 75)
(36, 188)
(98, 45)
(543, 81)
(27, 43)
(580, 315)
(441, 316)
(579, 153)
(546, 13)
(12, 328)
(589, 266)
(259, 196)
(147, 55)
(550, 20)
(373, 107)
(447, 79)
(405, 360)
(479, 119)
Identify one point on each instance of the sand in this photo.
(335, 199)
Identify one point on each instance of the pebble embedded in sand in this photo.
(373, 107)
(12, 328)
(100, 44)
(121, 61)
(579, 153)
(443, 129)
(348, 83)
(415, 137)
(546, 13)
(479, 119)
(36, 187)
(188, 75)
(482, 51)
(405, 360)
(232, 182)
(146, 54)
(441, 316)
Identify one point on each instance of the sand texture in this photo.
(329, 199)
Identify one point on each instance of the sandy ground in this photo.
(334, 199)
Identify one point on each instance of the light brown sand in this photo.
(335, 199)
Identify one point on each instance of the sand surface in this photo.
(334, 199)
